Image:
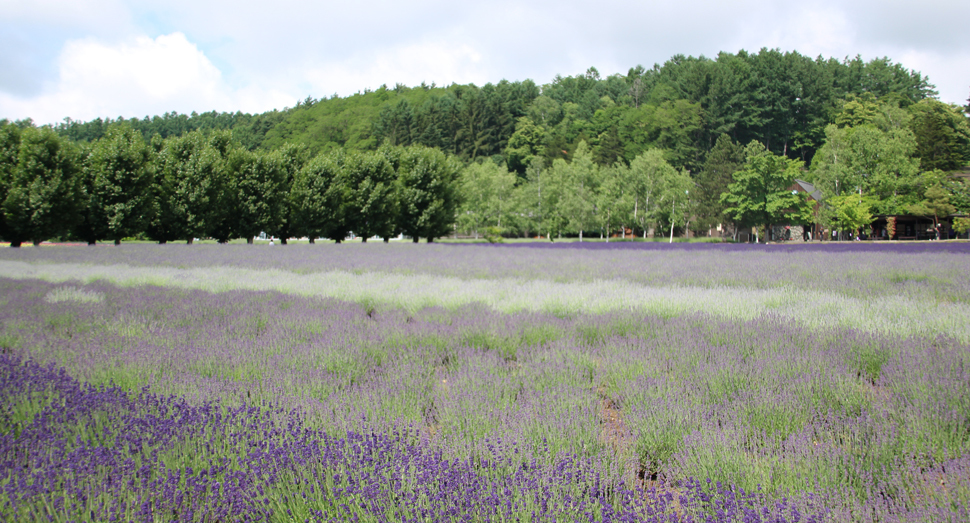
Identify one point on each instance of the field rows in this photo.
(295, 395)
(889, 314)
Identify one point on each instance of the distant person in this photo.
(271, 241)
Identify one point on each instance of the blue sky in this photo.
(88, 58)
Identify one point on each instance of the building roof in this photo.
(810, 189)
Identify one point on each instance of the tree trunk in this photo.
(162, 242)
(249, 240)
(37, 242)
(415, 239)
(338, 240)
(363, 239)
(15, 244)
(117, 241)
(387, 240)
(189, 241)
(580, 236)
(92, 243)
(312, 240)
(430, 239)
(282, 241)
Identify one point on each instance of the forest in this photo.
(695, 144)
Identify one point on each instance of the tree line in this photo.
(876, 159)
(689, 145)
(783, 100)
(205, 184)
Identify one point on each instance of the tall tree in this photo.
(581, 178)
(523, 146)
(316, 200)
(726, 158)
(935, 199)
(370, 196)
(294, 157)
(485, 191)
(874, 159)
(942, 135)
(195, 171)
(614, 198)
(762, 191)
(258, 180)
(428, 194)
(397, 123)
(41, 200)
(9, 151)
(120, 170)
(649, 178)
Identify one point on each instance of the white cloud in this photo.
(135, 78)
(940, 68)
(90, 58)
(439, 62)
(812, 31)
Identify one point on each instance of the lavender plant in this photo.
(857, 425)
(875, 289)
(75, 452)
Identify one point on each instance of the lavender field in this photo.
(485, 383)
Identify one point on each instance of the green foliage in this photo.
(494, 234)
(672, 126)
(961, 225)
(428, 197)
(119, 179)
(41, 198)
(197, 200)
(858, 110)
(726, 158)
(294, 158)
(396, 124)
(935, 202)
(9, 151)
(877, 161)
(316, 200)
(614, 202)
(523, 145)
(851, 211)
(761, 192)
(485, 192)
(650, 179)
(370, 195)
(589, 129)
(581, 180)
(259, 182)
(942, 135)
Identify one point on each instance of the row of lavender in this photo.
(867, 427)
(73, 452)
(927, 270)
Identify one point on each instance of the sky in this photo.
(108, 58)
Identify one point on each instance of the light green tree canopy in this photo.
(486, 196)
(581, 178)
(762, 191)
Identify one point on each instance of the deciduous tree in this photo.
(41, 200)
(762, 190)
(428, 183)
